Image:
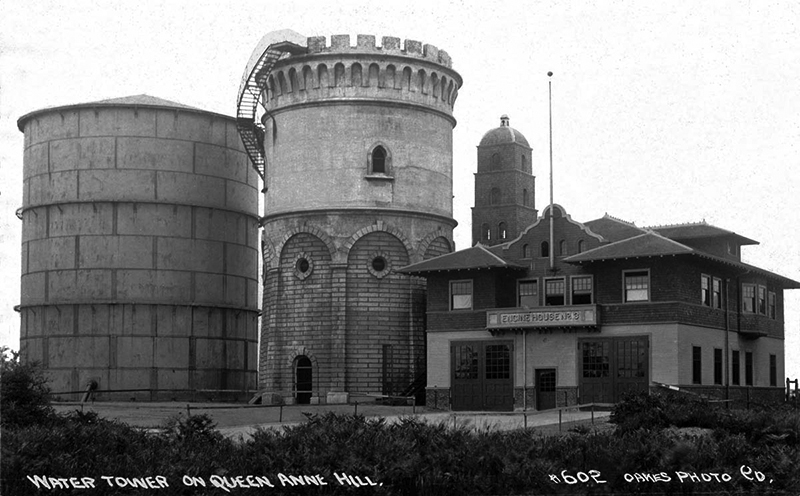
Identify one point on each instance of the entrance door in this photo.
(303, 382)
(611, 367)
(545, 389)
(481, 375)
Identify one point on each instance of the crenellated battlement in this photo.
(415, 74)
(340, 43)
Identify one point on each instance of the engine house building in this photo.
(619, 308)
(356, 147)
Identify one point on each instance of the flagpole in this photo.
(550, 104)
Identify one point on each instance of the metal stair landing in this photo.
(253, 82)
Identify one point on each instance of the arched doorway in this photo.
(303, 382)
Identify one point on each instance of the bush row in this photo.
(408, 457)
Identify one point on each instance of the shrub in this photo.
(24, 394)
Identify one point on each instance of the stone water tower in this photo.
(139, 250)
(357, 164)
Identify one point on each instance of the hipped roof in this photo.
(476, 257)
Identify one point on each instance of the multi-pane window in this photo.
(711, 291)
(460, 295)
(705, 290)
(631, 358)
(528, 294)
(554, 292)
(735, 367)
(582, 290)
(772, 308)
(773, 370)
(637, 285)
(748, 368)
(762, 300)
(465, 358)
(596, 359)
(716, 293)
(498, 361)
(717, 366)
(697, 365)
(748, 298)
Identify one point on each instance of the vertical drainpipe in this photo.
(524, 370)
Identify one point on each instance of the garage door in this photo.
(481, 374)
(609, 367)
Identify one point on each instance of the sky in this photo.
(663, 112)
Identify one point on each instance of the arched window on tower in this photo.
(523, 163)
(486, 232)
(379, 161)
(545, 249)
(525, 198)
(497, 196)
(501, 231)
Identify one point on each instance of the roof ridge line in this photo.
(629, 223)
(479, 245)
(684, 224)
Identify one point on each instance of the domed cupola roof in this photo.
(503, 134)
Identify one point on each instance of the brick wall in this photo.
(300, 308)
(378, 315)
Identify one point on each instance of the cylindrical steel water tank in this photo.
(139, 249)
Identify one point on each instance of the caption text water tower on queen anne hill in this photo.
(355, 149)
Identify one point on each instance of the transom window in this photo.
(460, 295)
(582, 290)
(528, 294)
(637, 285)
(554, 292)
